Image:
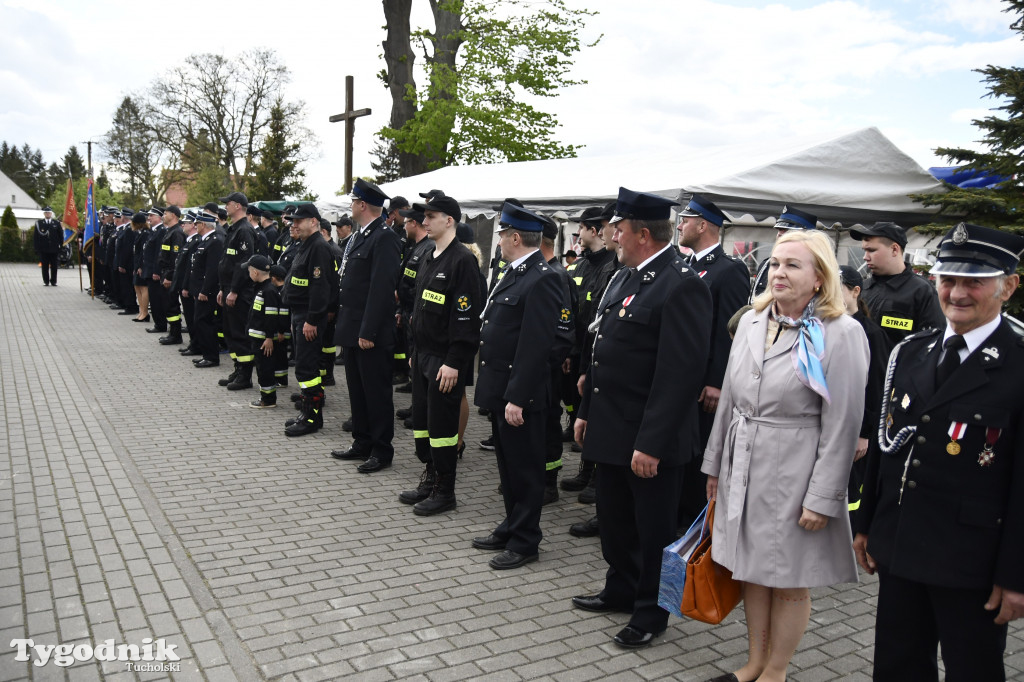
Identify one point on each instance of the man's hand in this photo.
(309, 331)
(203, 297)
(860, 548)
(709, 398)
(230, 300)
(167, 284)
(812, 521)
(712, 488)
(366, 344)
(184, 293)
(579, 430)
(862, 449)
(579, 384)
(566, 365)
(514, 415)
(1009, 603)
(447, 377)
(121, 270)
(220, 298)
(156, 277)
(643, 465)
(267, 347)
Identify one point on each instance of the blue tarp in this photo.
(955, 175)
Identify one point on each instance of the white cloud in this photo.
(978, 16)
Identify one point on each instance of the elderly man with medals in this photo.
(942, 518)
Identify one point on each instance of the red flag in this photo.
(70, 211)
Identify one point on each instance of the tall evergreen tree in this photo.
(277, 174)
(1003, 140)
(74, 164)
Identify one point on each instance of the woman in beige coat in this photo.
(780, 452)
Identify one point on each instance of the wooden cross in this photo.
(349, 117)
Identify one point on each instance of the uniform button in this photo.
(483, 362)
(916, 462)
(999, 522)
(481, 343)
(757, 375)
(925, 419)
(486, 321)
(911, 484)
(596, 363)
(510, 366)
(506, 298)
(600, 336)
(597, 390)
(921, 440)
(977, 417)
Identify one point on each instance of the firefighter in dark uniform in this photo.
(791, 218)
(330, 348)
(47, 238)
(416, 248)
(899, 300)
(942, 516)
(729, 282)
(154, 283)
(308, 291)
(170, 248)
(638, 416)
(283, 238)
(366, 329)
(237, 290)
(126, 264)
(182, 273)
(203, 287)
(269, 228)
(261, 245)
(396, 221)
(264, 329)
(445, 326)
(521, 320)
(110, 254)
(106, 231)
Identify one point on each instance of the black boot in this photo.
(442, 496)
(580, 480)
(328, 379)
(586, 529)
(423, 490)
(306, 421)
(551, 486)
(302, 405)
(317, 407)
(589, 494)
(231, 377)
(173, 337)
(243, 377)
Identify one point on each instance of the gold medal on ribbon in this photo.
(953, 448)
(622, 312)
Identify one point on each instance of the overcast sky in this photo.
(667, 75)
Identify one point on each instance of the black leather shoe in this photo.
(585, 529)
(207, 363)
(144, 319)
(491, 543)
(347, 425)
(188, 350)
(509, 559)
(550, 495)
(154, 330)
(371, 465)
(634, 638)
(351, 453)
(588, 495)
(404, 388)
(404, 413)
(170, 340)
(728, 677)
(595, 603)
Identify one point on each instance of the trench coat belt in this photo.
(742, 431)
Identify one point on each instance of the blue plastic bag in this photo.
(673, 566)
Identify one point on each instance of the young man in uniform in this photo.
(170, 248)
(203, 285)
(235, 296)
(445, 330)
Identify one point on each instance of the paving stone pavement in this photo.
(138, 499)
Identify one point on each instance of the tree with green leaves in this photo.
(485, 62)
(11, 244)
(137, 153)
(1001, 207)
(25, 166)
(277, 174)
(74, 164)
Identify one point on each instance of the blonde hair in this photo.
(829, 299)
(475, 250)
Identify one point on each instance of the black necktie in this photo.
(950, 358)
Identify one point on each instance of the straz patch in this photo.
(433, 296)
(565, 315)
(464, 303)
(897, 323)
(316, 273)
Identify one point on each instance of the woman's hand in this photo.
(812, 521)
(712, 488)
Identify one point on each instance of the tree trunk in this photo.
(446, 40)
(400, 58)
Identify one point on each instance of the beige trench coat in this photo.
(777, 447)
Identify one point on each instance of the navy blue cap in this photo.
(641, 206)
(974, 251)
(795, 219)
(518, 218)
(699, 207)
(127, 212)
(47, 209)
(189, 217)
(157, 211)
(888, 230)
(204, 217)
(369, 192)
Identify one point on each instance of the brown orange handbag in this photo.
(710, 592)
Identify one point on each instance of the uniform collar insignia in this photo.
(710, 258)
(991, 352)
(521, 268)
(648, 276)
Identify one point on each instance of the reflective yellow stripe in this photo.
(421, 434)
(854, 506)
(502, 264)
(165, 247)
(400, 356)
(444, 442)
(410, 273)
(323, 373)
(231, 252)
(233, 356)
(588, 296)
(578, 280)
(176, 318)
(300, 282)
(277, 247)
(553, 465)
(569, 409)
(897, 323)
(257, 304)
(572, 266)
(433, 296)
(332, 349)
(312, 383)
(245, 358)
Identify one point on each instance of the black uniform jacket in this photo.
(238, 248)
(183, 263)
(960, 524)
(125, 249)
(519, 330)
(265, 317)
(418, 254)
(139, 260)
(170, 249)
(151, 255)
(648, 362)
(202, 278)
(48, 236)
(312, 282)
(729, 282)
(368, 286)
(446, 313)
(903, 304)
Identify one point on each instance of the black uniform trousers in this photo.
(401, 354)
(368, 375)
(188, 311)
(520, 454)
(265, 370)
(158, 304)
(235, 333)
(694, 497)
(638, 519)
(49, 267)
(203, 330)
(553, 426)
(172, 310)
(435, 415)
(307, 354)
(914, 618)
(329, 350)
(127, 281)
(280, 359)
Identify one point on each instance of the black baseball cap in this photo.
(888, 230)
(258, 261)
(237, 197)
(175, 210)
(211, 207)
(441, 204)
(306, 211)
(850, 276)
(278, 272)
(397, 202)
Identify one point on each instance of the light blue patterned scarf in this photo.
(808, 350)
